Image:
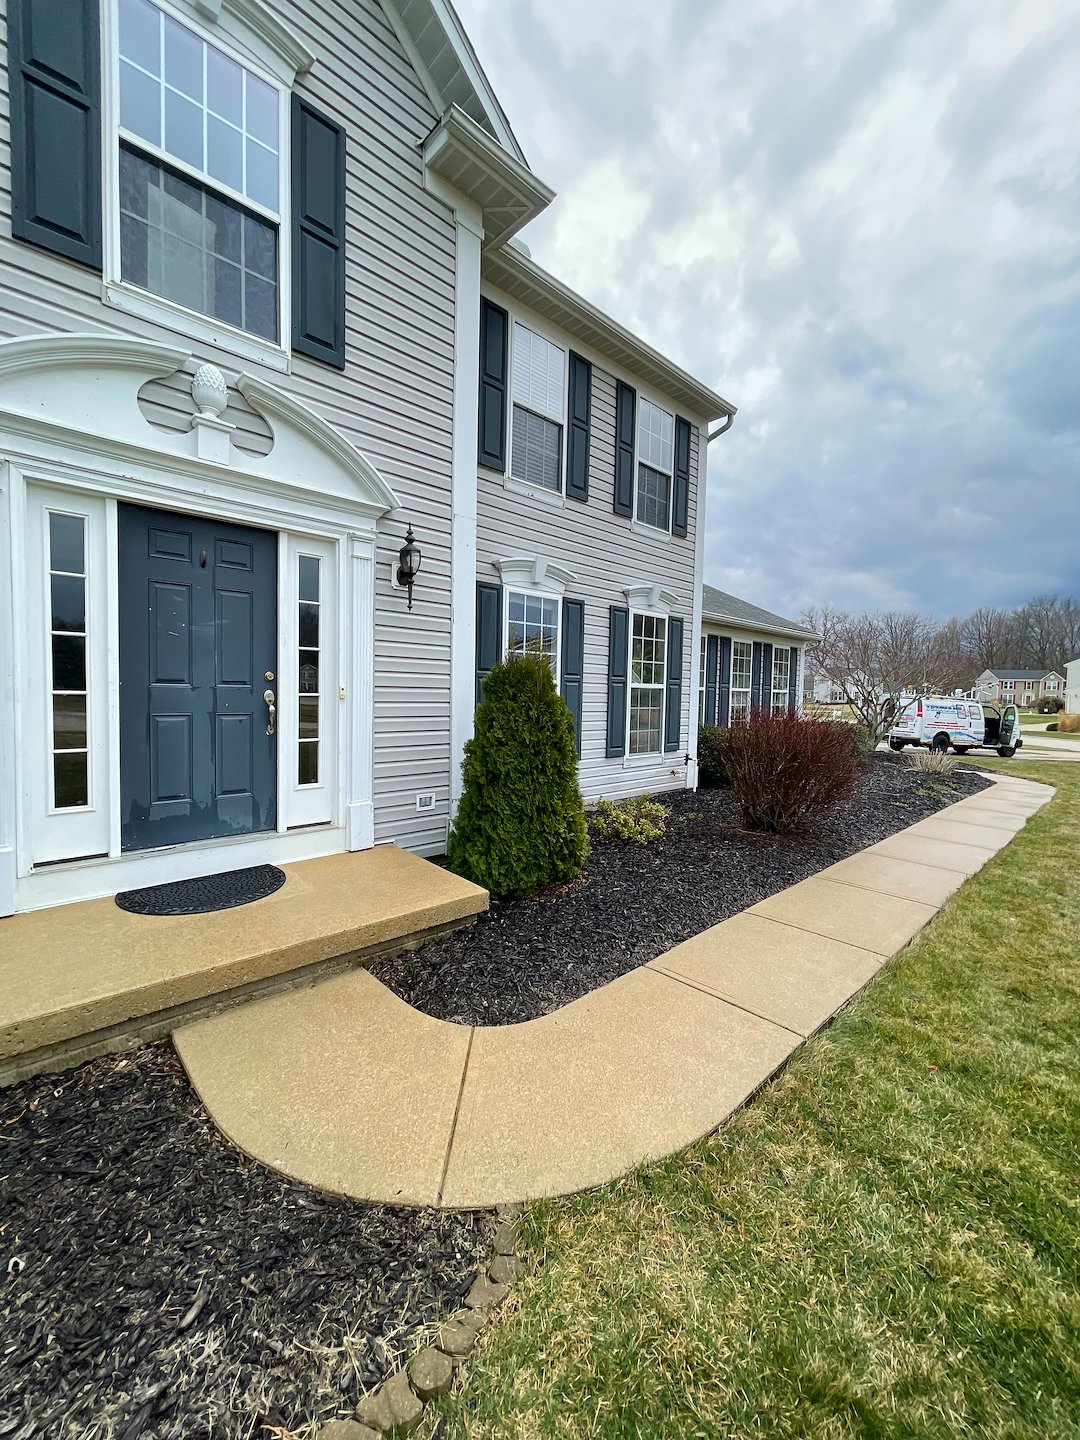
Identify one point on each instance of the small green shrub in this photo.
(933, 762)
(638, 819)
(786, 769)
(520, 823)
(710, 755)
(1052, 726)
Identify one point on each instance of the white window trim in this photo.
(645, 757)
(517, 482)
(132, 299)
(309, 804)
(749, 689)
(701, 679)
(511, 482)
(785, 691)
(643, 525)
(552, 595)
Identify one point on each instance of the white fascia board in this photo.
(520, 277)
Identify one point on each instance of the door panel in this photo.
(198, 631)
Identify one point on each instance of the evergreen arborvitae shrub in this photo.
(520, 823)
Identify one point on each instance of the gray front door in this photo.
(198, 637)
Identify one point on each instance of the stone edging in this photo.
(395, 1407)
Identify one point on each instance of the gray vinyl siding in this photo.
(394, 400)
(606, 552)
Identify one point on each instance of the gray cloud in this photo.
(861, 225)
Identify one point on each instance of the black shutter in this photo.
(579, 413)
(723, 689)
(712, 648)
(673, 692)
(755, 677)
(318, 235)
(572, 661)
(766, 677)
(494, 330)
(680, 507)
(55, 79)
(488, 632)
(793, 679)
(618, 662)
(625, 410)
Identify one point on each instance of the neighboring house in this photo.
(258, 287)
(1019, 687)
(750, 659)
(1072, 686)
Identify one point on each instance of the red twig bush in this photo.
(785, 770)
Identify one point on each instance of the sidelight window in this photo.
(68, 660)
(310, 697)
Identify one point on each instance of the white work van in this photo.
(957, 723)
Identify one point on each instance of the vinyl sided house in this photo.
(262, 314)
(1019, 687)
(1072, 686)
(750, 659)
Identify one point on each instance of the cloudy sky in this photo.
(860, 222)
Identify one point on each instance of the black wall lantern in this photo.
(409, 558)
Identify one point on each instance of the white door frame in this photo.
(97, 447)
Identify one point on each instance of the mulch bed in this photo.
(525, 958)
(155, 1283)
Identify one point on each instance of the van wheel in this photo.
(1006, 751)
(940, 742)
(896, 744)
(960, 749)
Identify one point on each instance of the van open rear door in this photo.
(1009, 734)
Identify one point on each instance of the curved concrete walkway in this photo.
(346, 1087)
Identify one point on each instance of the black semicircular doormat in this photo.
(205, 893)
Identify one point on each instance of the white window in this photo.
(309, 669)
(781, 679)
(742, 656)
(532, 626)
(68, 666)
(648, 666)
(656, 462)
(538, 392)
(701, 682)
(200, 174)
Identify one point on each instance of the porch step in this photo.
(80, 980)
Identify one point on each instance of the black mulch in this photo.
(527, 957)
(155, 1283)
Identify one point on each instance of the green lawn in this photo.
(884, 1243)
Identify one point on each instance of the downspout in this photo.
(721, 429)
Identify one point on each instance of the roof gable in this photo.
(442, 55)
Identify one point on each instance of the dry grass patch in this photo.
(883, 1244)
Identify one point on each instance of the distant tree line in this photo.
(874, 656)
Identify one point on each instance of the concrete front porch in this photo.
(79, 980)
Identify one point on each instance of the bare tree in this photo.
(874, 658)
(991, 637)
